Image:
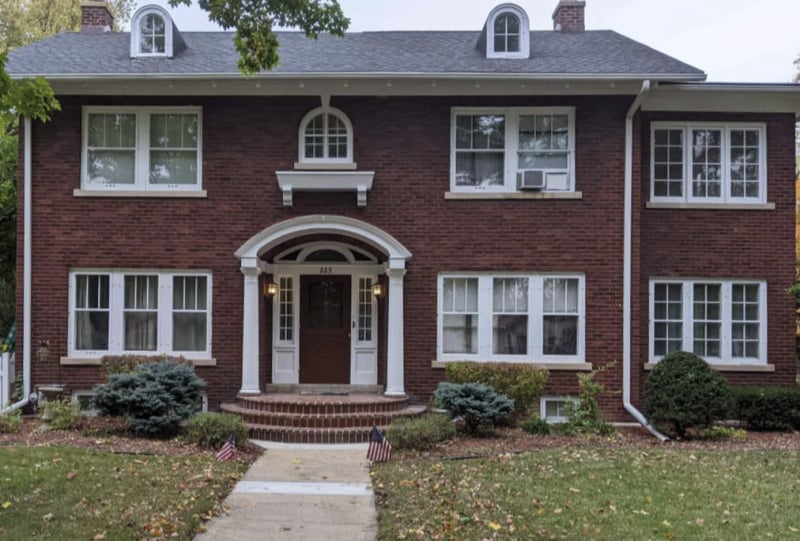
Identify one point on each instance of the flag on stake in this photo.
(380, 450)
(228, 450)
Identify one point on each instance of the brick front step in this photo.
(340, 420)
(321, 404)
(297, 418)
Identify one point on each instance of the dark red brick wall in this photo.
(754, 244)
(406, 142)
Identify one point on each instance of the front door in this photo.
(324, 329)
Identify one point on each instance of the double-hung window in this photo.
(141, 149)
(116, 312)
(708, 163)
(519, 317)
(511, 149)
(722, 321)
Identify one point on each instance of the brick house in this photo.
(384, 203)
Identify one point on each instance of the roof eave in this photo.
(89, 77)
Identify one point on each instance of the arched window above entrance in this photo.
(325, 252)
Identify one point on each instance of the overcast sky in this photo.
(731, 40)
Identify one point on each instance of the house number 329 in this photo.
(326, 270)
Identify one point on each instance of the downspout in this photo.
(26, 271)
(626, 268)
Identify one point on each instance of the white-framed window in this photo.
(142, 148)
(555, 409)
(140, 312)
(326, 137)
(84, 400)
(722, 321)
(151, 33)
(708, 162)
(511, 317)
(502, 149)
(507, 33)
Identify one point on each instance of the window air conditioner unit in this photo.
(531, 179)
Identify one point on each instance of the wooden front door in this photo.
(325, 329)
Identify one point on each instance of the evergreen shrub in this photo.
(478, 405)
(155, 398)
(683, 392)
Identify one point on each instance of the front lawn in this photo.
(593, 493)
(74, 493)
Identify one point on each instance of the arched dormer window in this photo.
(507, 32)
(326, 136)
(151, 32)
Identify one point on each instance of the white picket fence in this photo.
(7, 374)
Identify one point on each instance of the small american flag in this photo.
(380, 450)
(228, 450)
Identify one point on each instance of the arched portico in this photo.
(394, 267)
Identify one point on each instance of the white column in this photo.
(394, 338)
(250, 384)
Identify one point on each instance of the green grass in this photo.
(68, 493)
(615, 494)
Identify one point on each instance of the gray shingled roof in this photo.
(601, 53)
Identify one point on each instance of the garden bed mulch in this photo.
(514, 440)
(110, 434)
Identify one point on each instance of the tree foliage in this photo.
(25, 21)
(254, 20)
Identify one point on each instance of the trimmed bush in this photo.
(154, 399)
(477, 404)
(767, 408)
(536, 425)
(683, 392)
(62, 414)
(213, 429)
(420, 433)
(126, 364)
(10, 422)
(520, 382)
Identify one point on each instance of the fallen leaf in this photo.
(100, 537)
(494, 526)
(6, 505)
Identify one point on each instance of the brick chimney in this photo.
(95, 16)
(568, 16)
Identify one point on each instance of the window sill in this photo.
(711, 206)
(572, 367)
(730, 367)
(513, 195)
(77, 361)
(333, 166)
(194, 194)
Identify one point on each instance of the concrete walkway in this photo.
(301, 492)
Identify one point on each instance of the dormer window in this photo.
(326, 137)
(507, 32)
(153, 33)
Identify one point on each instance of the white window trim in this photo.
(687, 293)
(142, 150)
(725, 197)
(116, 311)
(557, 419)
(535, 319)
(511, 149)
(302, 159)
(524, 31)
(136, 23)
